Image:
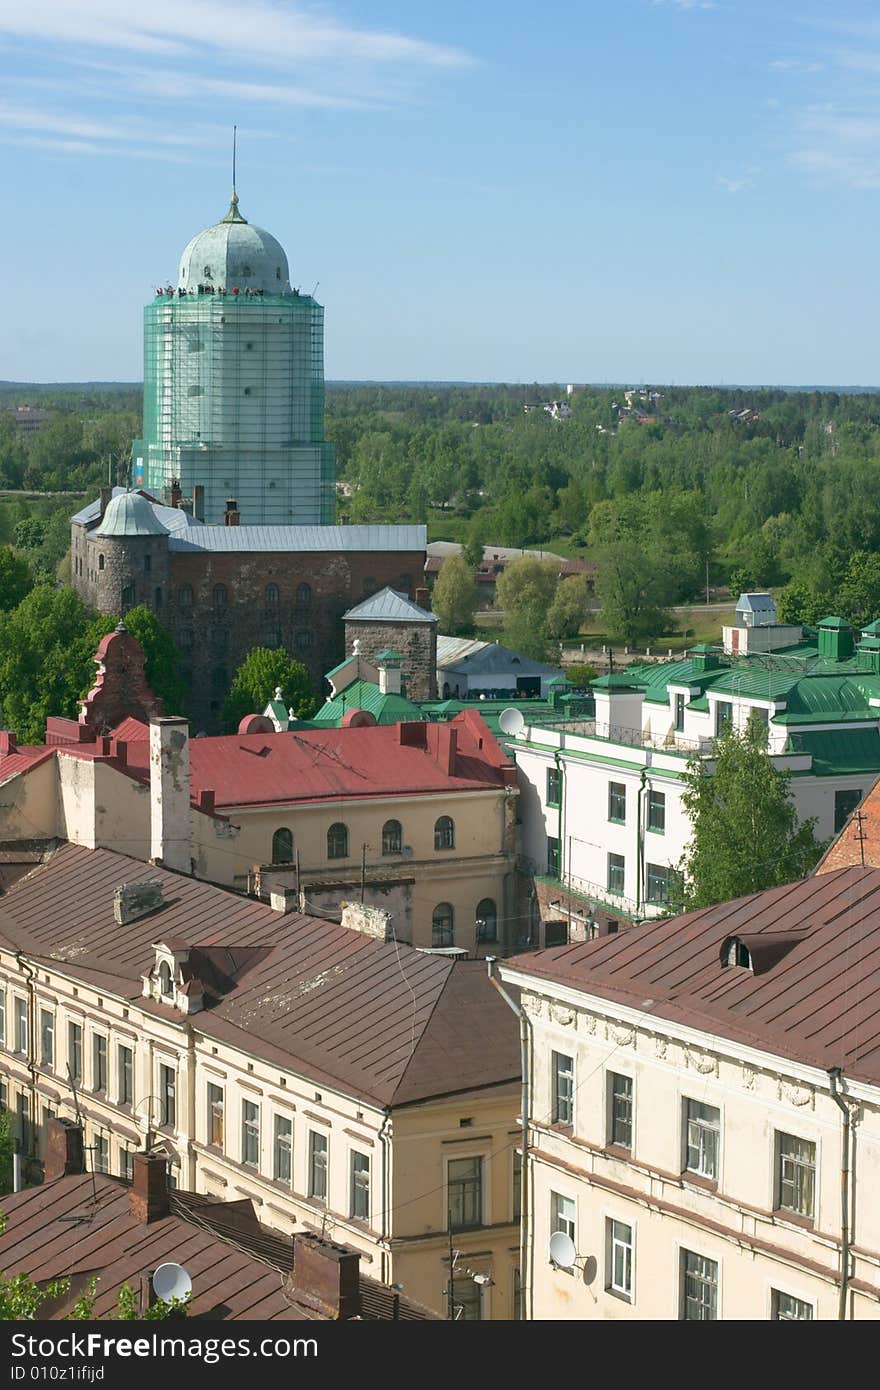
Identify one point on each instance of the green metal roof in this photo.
(365, 695)
(842, 751)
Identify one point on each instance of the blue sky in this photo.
(622, 190)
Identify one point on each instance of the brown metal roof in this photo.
(80, 1227)
(816, 1003)
(386, 1023)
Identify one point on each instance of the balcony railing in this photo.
(670, 742)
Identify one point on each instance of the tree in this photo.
(580, 674)
(47, 646)
(568, 611)
(746, 836)
(7, 1147)
(16, 579)
(633, 593)
(161, 662)
(454, 597)
(255, 682)
(30, 534)
(525, 592)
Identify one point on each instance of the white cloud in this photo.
(688, 4)
(796, 65)
(737, 185)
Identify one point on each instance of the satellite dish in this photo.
(563, 1251)
(407, 851)
(171, 1281)
(510, 721)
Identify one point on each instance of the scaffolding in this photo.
(234, 402)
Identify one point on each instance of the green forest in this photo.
(746, 487)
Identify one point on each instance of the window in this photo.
(795, 1174)
(185, 596)
(21, 1026)
(125, 1060)
(126, 1165)
(166, 986)
(337, 841)
(759, 724)
(303, 639)
(215, 1115)
(303, 596)
(360, 1186)
(563, 1089)
(250, 1133)
(185, 637)
(616, 873)
(157, 598)
(844, 804)
(657, 883)
(656, 811)
(723, 716)
(282, 846)
(679, 713)
(517, 1295)
(148, 564)
(101, 1151)
(99, 1062)
(128, 596)
(465, 1191)
(517, 1184)
(467, 1299)
(562, 1215)
(318, 1166)
(282, 1155)
(487, 920)
(444, 833)
(75, 1051)
(619, 1258)
(617, 801)
(167, 1096)
(620, 1110)
(553, 856)
(47, 1038)
(24, 1122)
(443, 926)
(699, 1288)
(2, 1018)
(271, 596)
(100, 562)
(702, 1138)
(554, 786)
(392, 837)
(219, 596)
(785, 1308)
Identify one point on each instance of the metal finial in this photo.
(234, 140)
(233, 215)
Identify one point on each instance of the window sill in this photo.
(654, 830)
(619, 1295)
(699, 1180)
(615, 820)
(794, 1218)
(618, 1150)
(559, 1127)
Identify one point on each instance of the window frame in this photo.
(559, 1220)
(358, 1187)
(563, 1088)
(124, 1094)
(612, 1118)
(679, 701)
(47, 1015)
(282, 1145)
(705, 1127)
(653, 796)
(215, 1110)
(614, 1242)
(841, 818)
(686, 1254)
(283, 837)
(616, 803)
(167, 1092)
(797, 1177)
(657, 875)
(392, 837)
(337, 835)
(614, 868)
(468, 1191)
(100, 1063)
(553, 788)
(251, 1126)
(444, 833)
(319, 1163)
(75, 1050)
(778, 1294)
(443, 931)
(21, 1026)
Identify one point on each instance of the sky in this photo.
(664, 191)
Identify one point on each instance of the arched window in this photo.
(487, 920)
(185, 596)
(100, 562)
(219, 596)
(128, 597)
(158, 598)
(271, 595)
(303, 639)
(443, 925)
(282, 846)
(337, 841)
(165, 985)
(392, 837)
(303, 596)
(444, 833)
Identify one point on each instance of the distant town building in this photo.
(467, 668)
(29, 419)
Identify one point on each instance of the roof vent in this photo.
(735, 952)
(760, 951)
(134, 900)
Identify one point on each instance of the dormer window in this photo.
(735, 952)
(166, 986)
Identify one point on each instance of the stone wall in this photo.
(416, 642)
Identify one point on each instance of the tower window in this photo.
(219, 596)
(100, 562)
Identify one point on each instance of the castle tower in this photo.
(234, 384)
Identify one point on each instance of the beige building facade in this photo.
(701, 1097)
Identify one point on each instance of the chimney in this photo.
(148, 1196)
(283, 899)
(134, 900)
(64, 1150)
(175, 493)
(443, 746)
(412, 735)
(231, 516)
(389, 673)
(7, 743)
(206, 800)
(198, 502)
(170, 832)
(422, 599)
(326, 1276)
(106, 494)
(369, 921)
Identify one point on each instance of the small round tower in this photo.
(128, 557)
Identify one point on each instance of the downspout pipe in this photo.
(30, 975)
(560, 825)
(524, 1270)
(835, 1076)
(639, 838)
(384, 1141)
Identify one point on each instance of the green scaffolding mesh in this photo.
(234, 403)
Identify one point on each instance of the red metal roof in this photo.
(816, 1003)
(319, 998)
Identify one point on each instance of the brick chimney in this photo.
(175, 493)
(7, 743)
(64, 1150)
(106, 494)
(326, 1276)
(198, 502)
(232, 516)
(170, 831)
(443, 747)
(148, 1198)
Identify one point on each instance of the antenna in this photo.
(562, 1251)
(234, 141)
(171, 1281)
(511, 721)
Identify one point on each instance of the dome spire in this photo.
(233, 215)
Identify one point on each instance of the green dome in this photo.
(129, 514)
(233, 254)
